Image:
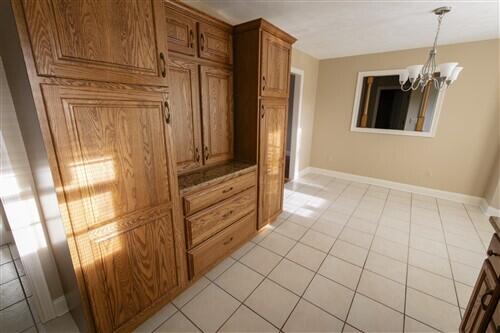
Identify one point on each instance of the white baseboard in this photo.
(60, 306)
(488, 210)
(452, 196)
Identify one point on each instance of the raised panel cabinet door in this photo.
(112, 41)
(118, 195)
(217, 113)
(181, 31)
(272, 137)
(215, 43)
(275, 66)
(185, 110)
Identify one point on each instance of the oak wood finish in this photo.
(181, 31)
(112, 150)
(98, 40)
(215, 43)
(482, 313)
(208, 222)
(272, 159)
(275, 66)
(217, 114)
(206, 197)
(204, 256)
(186, 117)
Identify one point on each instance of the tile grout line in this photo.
(408, 262)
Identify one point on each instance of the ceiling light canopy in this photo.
(442, 76)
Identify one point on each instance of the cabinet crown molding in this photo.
(267, 26)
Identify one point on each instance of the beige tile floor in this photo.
(343, 256)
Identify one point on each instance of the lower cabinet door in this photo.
(118, 199)
(483, 302)
(272, 128)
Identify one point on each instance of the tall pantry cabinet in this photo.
(262, 55)
(99, 77)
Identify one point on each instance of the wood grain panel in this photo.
(115, 41)
(217, 113)
(208, 222)
(113, 150)
(181, 31)
(275, 66)
(215, 43)
(186, 117)
(207, 197)
(205, 255)
(273, 123)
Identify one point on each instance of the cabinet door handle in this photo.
(206, 153)
(227, 214)
(227, 190)
(263, 82)
(202, 41)
(262, 111)
(163, 67)
(229, 240)
(191, 38)
(492, 253)
(483, 299)
(167, 111)
(197, 152)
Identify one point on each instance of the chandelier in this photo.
(419, 76)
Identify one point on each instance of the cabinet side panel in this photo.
(246, 94)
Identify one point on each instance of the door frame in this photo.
(298, 89)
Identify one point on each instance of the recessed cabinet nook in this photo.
(165, 132)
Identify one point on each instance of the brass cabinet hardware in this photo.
(163, 65)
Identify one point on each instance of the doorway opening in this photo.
(293, 129)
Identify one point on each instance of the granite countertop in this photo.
(211, 174)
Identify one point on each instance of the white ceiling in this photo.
(333, 28)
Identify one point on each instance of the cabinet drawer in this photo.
(209, 252)
(205, 198)
(208, 222)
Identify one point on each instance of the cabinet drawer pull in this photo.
(197, 152)
(227, 190)
(191, 38)
(163, 67)
(227, 214)
(202, 41)
(167, 112)
(207, 155)
(262, 111)
(491, 253)
(263, 82)
(228, 240)
(483, 299)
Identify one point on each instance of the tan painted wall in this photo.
(310, 67)
(458, 159)
(492, 193)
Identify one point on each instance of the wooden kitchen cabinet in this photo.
(275, 66)
(215, 43)
(119, 189)
(74, 39)
(217, 113)
(181, 31)
(185, 110)
(273, 121)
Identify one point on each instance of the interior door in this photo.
(181, 32)
(272, 129)
(185, 108)
(119, 198)
(275, 66)
(114, 41)
(217, 113)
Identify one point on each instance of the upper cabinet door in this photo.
(181, 32)
(113, 41)
(119, 197)
(217, 114)
(185, 110)
(273, 121)
(275, 66)
(215, 43)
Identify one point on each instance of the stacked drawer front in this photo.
(218, 220)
